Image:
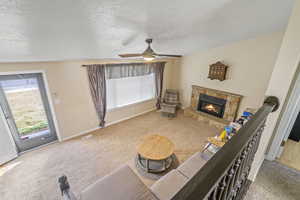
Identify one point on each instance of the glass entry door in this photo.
(24, 101)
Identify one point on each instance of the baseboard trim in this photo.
(108, 124)
(39, 147)
(8, 158)
(253, 173)
(127, 118)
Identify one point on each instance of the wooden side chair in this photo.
(170, 103)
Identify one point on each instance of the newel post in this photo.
(273, 101)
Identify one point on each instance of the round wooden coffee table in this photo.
(155, 154)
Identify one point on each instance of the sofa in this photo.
(124, 184)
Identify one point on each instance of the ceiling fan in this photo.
(148, 54)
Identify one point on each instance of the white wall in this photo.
(8, 149)
(250, 63)
(68, 84)
(281, 79)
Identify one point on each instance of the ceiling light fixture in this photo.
(148, 58)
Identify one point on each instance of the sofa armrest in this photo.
(169, 185)
(192, 165)
(122, 184)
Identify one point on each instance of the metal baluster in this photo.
(213, 195)
(216, 193)
(235, 168)
(242, 168)
(251, 147)
(231, 181)
(247, 159)
(223, 187)
(236, 176)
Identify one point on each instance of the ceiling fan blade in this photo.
(168, 55)
(130, 55)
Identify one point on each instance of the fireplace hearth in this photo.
(211, 105)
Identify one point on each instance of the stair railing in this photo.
(225, 175)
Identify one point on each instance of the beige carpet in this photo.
(290, 155)
(275, 182)
(33, 176)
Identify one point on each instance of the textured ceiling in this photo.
(44, 30)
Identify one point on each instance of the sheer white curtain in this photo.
(130, 90)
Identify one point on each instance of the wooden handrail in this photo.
(225, 175)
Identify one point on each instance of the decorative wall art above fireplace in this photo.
(217, 71)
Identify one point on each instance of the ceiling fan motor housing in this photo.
(148, 53)
(149, 40)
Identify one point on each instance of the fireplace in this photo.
(211, 105)
(214, 107)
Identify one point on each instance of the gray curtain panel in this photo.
(114, 71)
(159, 75)
(97, 83)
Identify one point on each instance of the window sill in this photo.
(128, 105)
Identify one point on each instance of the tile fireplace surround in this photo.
(231, 107)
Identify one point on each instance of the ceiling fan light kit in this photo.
(148, 58)
(148, 54)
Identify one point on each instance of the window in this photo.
(129, 90)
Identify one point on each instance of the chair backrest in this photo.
(171, 96)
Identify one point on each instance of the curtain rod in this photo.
(108, 63)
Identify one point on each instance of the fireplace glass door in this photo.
(211, 105)
(211, 108)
